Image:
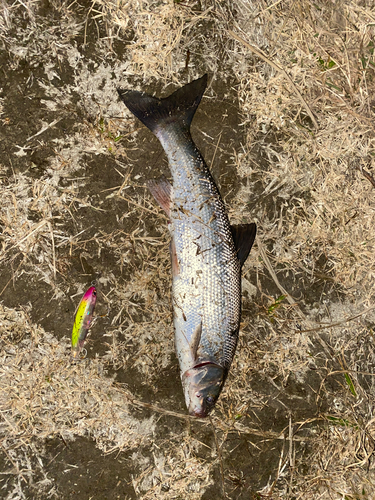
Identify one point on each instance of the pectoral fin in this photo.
(243, 238)
(161, 190)
(195, 340)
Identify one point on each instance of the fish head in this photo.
(202, 386)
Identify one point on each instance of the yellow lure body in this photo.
(83, 320)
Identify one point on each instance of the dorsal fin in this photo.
(243, 238)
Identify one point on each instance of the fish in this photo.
(83, 320)
(207, 253)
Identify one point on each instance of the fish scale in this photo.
(206, 260)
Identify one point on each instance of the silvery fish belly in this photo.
(206, 252)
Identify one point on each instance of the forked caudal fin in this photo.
(178, 108)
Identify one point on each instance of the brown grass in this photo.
(303, 75)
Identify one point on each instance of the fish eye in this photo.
(210, 400)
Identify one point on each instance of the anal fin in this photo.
(161, 189)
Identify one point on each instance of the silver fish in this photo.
(206, 252)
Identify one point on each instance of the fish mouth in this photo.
(198, 413)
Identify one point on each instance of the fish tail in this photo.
(177, 109)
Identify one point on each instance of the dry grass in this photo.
(304, 77)
(44, 393)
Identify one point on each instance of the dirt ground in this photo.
(287, 128)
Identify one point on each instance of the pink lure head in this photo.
(90, 295)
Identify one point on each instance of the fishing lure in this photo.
(83, 320)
